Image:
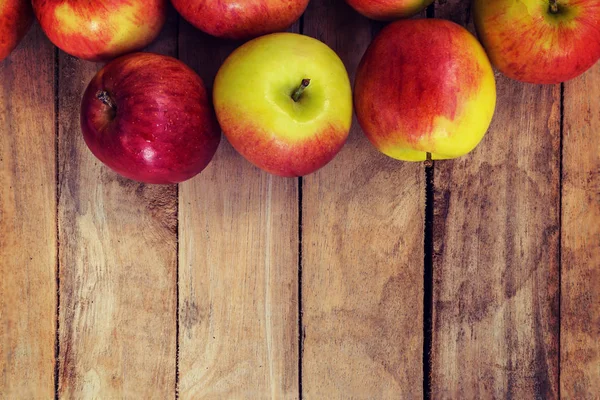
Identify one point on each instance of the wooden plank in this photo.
(118, 262)
(238, 285)
(27, 220)
(496, 254)
(580, 273)
(362, 253)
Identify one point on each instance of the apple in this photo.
(284, 101)
(100, 30)
(424, 90)
(235, 19)
(387, 10)
(149, 118)
(548, 41)
(15, 20)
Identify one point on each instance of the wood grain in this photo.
(496, 254)
(580, 273)
(362, 253)
(118, 260)
(238, 287)
(27, 220)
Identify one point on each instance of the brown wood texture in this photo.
(118, 260)
(362, 253)
(238, 273)
(580, 273)
(238, 284)
(496, 251)
(27, 220)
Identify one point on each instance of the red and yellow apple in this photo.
(240, 19)
(100, 30)
(284, 101)
(149, 118)
(425, 88)
(386, 10)
(15, 20)
(540, 41)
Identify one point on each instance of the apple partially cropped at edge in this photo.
(425, 88)
(284, 101)
(540, 41)
(387, 10)
(100, 30)
(235, 19)
(149, 118)
(15, 20)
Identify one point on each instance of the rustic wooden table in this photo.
(370, 279)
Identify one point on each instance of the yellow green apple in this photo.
(425, 88)
(386, 10)
(284, 101)
(540, 41)
(100, 30)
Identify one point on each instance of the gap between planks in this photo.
(300, 321)
(560, 226)
(428, 267)
(57, 183)
(177, 32)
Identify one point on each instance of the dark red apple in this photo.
(15, 20)
(149, 118)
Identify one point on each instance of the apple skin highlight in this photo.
(425, 86)
(100, 30)
(387, 10)
(15, 19)
(526, 42)
(236, 19)
(163, 130)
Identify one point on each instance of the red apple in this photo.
(540, 41)
(149, 118)
(100, 30)
(386, 10)
(235, 19)
(425, 89)
(15, 20)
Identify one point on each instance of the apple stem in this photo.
(104, 97)
(554, 6)
(428, 160)
(298, 92)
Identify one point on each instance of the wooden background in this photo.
(370, 279)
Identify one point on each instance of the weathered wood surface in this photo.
(496, 251)
(580, 283)
(243, 321)
(362, 253)
(118, 260)
(27, 220)
(238, 267)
